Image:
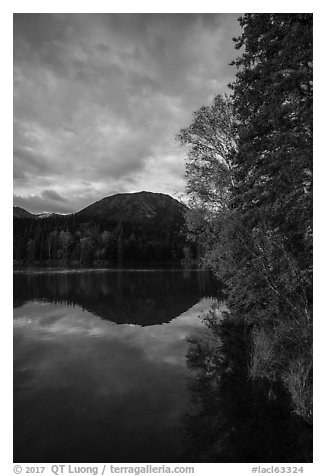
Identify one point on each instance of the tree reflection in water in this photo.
(141, 297)
(235, 419)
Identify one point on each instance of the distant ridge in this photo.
(22, 213)
(138, 207)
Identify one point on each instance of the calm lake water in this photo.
(104, 372)
(100, 369)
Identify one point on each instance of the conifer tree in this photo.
(272, 97)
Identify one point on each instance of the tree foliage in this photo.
(210, 139)
(272, 97)
(78, 240)
(253, 172)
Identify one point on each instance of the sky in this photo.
(100, 98)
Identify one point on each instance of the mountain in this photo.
(137, 227)
(21, 213)
(139, 207)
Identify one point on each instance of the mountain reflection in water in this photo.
(100, 368)
(104, 372)
(122, 296)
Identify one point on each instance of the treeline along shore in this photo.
(129, 228)
(69, 241)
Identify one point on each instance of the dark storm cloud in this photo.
(100, 98)
(52, 195)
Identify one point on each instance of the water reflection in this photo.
(234, 419)
(133, 297)
(90, 389)
(101, 374)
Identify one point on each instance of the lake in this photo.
(100, 371)
(118, 366)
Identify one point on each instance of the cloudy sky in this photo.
(99, 99)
